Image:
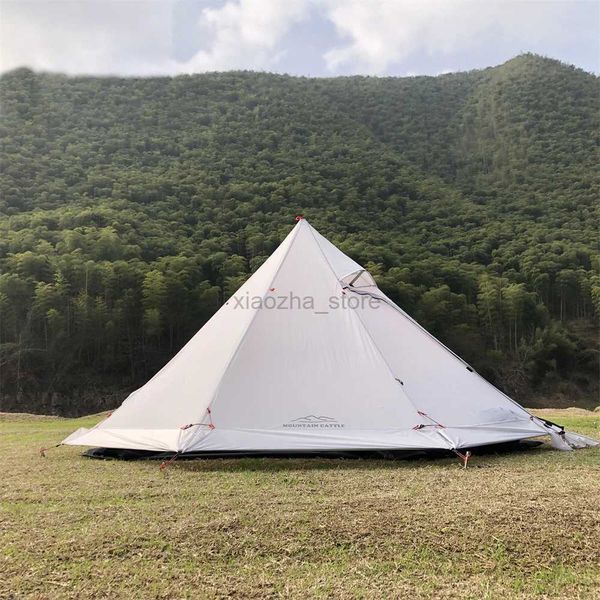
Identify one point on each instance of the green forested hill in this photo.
(131, 208)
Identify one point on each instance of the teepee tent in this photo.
(309, 355)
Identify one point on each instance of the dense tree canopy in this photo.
(132, 208)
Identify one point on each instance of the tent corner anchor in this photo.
(167, 463)
(44, 450)
(464, 457)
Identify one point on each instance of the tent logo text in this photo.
(314, 421)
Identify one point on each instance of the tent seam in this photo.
(256, 311)
(364, 328)
(394, 306)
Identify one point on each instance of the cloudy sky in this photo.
(303, 37)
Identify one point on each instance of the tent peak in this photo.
(301, 219)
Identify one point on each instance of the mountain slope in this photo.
(131, 207)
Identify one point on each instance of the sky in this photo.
(300, 37)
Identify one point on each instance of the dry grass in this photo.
(518, 526)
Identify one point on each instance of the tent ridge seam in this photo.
(364, 327)
(395, 307)
(256, 311)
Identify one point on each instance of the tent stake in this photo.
(167, 463)
(464, 457)
(44, 450)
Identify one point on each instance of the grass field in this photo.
(513, 526)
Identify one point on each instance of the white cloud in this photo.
(380, 33)
(139, 37)
(120, 36)
(246, 34)
(87, 36)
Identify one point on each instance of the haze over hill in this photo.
(132, 207)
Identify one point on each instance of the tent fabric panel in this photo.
(167, 440)
(175, 440)
(341, 264)
(350, 439)
(182, 390)
(437, 382)
(470, 436)
(309, 363)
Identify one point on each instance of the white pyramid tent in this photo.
(310, 355)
